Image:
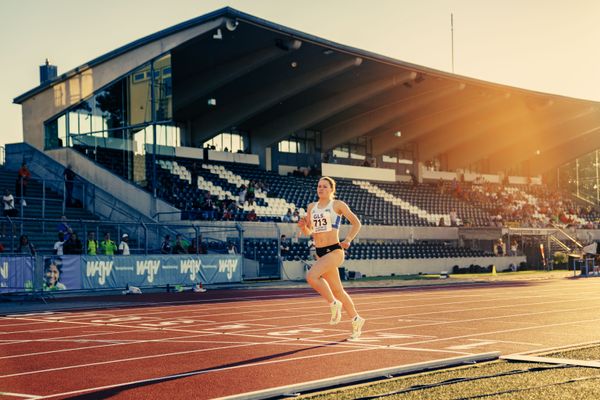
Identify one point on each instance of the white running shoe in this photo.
(336, 312)
(357, 324)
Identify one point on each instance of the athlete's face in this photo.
(324, 189)
(52, 275)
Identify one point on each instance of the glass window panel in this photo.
(163, 89)
(140, 98)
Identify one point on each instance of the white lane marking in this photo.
(26, 396)
(187, 352)
(261, 363)
(472, 345)
(293, 332)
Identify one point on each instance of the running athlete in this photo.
(322, 221)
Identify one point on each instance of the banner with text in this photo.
(16, 274)
(101, 272)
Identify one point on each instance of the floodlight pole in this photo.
(452, 38)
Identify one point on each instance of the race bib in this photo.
(321, 221)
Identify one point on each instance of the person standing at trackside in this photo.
(107, 246)
(323, 221)
(124, 246)
(92, 244)
(25, 246)
(165, 247)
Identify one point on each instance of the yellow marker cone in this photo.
(493, 270)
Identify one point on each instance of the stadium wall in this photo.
(295, 270)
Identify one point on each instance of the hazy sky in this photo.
(546, 45)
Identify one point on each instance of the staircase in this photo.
(41, 216)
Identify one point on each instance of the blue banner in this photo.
(62, 273)
(16, 274)
(100, 272)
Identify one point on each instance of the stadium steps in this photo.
(43, 235)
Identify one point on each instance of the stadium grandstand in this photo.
(216, 130)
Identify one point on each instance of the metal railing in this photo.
(144, 237)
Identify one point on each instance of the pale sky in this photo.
(545, 45)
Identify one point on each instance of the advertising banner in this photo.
(100, 272)
(62, 273)
(16, 274)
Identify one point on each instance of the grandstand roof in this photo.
(270, 80)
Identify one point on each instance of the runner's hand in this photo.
(303, 223)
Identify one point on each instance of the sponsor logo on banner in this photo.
(229, 266)
(190, 266)
(4, 270)
(147, 266)
(102, 268)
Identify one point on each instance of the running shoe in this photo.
(336, 312)
(357, 324)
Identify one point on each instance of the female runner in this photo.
(322, 221)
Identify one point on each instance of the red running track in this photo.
(225, 343)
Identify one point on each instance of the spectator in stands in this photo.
(295, 216)
(194, 174)
(499, 248)
(59, 244)
(250, 193)
(514, 246)
(92, 244)
(442, 222)
(414, 180)
(9, 204)
(229, 211)
(453, 218)
(197, 246)
(251, 216)
(181, 245)
(124, 245)
(25, 246)
(231, 248)
(242, 195)
(9, 210)
(64, 227)
(107, 246)
(73, 245)
(52, 273)
(284, 247)
(323, 222)
(23, 176)
(69, 177)
(165, 247)
(1, 248)
(208, 208)
(288, 216)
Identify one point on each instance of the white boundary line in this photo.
(306, 385)
(361, 376)
(193, 373)
(26, 396)
(553, 360)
